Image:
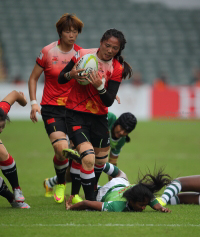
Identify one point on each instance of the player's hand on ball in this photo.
(94, 79)
(77, 74)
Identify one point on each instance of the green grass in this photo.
(172, 144)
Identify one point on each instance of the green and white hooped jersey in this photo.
(115, 145)
(113, 200)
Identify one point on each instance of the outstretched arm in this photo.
(15, 96)
(160, 208)
(92, 205)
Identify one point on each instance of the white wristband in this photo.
(33, 102)
(101, 87)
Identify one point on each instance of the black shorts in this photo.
(54, 118)
(84, 127)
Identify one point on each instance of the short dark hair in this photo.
(67, 21)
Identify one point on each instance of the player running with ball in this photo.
(87, 106)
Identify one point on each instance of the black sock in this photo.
(5, 192)
(97, 170)
(10, 172)
(88, 182)
(60, 169)
(75, 176)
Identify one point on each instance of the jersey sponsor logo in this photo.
(62, 100)
(54, 59)
(74, 128)
(51, 120)
(92, 106)
(40, 55)
(65, 62)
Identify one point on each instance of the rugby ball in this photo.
(88, 62)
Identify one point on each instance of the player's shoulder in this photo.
(117, 64)
(50, 46)
(112, 116)
(77, 47)
(88, 51)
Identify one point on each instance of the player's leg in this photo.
(101, 157)
(113, 171)
(87, 175)
(185, 198)
(9, 170)
(55, 125)
(49, 183)
(61, 164)
(170, 191)
(189, 198)
(184, 184)
(79, 128)
(6, 193)
(190, 183)
(101, 142)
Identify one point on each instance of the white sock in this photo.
(171, 190)
(51, 182)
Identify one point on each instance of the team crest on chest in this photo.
(54, 59)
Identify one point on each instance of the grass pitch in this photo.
(172, 144)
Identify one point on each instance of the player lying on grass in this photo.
(7, 163)
(109, 169)
(188, 185)
(118, 195)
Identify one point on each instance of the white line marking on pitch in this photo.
(103, 225)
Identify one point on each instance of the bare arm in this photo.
(32, 86)
(93, 205)
(160, 208)
(16, 96)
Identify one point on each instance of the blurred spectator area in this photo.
(158, 38)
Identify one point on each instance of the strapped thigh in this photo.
(57, 140)
(101, 157)
(87, 152)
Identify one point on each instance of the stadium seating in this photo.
(159, 39)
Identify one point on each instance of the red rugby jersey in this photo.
(86, 98)
(5, 106)
(53, 60)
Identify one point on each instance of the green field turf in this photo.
(172, 144)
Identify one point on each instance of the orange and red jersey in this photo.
(5, 106)
(53, 60)
(85, 98)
